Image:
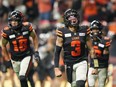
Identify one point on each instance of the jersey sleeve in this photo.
(59, 32)
(4, 33)
(85, 29)
(28, 25)
(107, 42)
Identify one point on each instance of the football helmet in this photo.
(96, 28)
(15, 16)
(71, 18)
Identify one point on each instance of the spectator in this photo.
(112, 12)
(44, 7)
(3, 12)
(32, 11)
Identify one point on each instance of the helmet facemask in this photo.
(15, 16)
(73, 21)
(71, 18)
(96, 29)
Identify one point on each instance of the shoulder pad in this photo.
(6, 28)
(88, 31)
(59, 25)
(85, 29)
(4, 32)
(26, 23)
(29, 25)
(59, 32)
(107, 41)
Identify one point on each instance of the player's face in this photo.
(95, 32)
(14, 23)
(73, 20)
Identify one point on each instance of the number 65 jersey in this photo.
(18, 40)
(74, 44)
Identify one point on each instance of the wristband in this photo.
(57, 55)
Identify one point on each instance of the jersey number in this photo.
(77, 50)
(22, 45)
(97, 51)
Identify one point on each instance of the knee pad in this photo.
(80, 83)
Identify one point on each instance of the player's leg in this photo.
(25, 66)
(102, 77)
(42, 74)
(69, 73)
(73, 84)
(51, 74)
(91, 78)
(30, 77)
(16, 66)
(81, 73)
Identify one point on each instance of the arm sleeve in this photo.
(4, 34)
(57, 55)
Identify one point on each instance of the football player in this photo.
(18, 34)
(73, 38)
(101, 45)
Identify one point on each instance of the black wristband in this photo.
(57, 55)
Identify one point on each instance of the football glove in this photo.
(36, 56)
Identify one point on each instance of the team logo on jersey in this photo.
(81, 34)
(12, 36)
(68, 35)
(25, 32)
(101, 45)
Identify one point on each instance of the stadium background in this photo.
(46, 15)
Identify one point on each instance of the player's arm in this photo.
(35, 40)
(93, 56)
(92, 52)
(107, 45)
(4, 48)
(59, 44)
(36, 46)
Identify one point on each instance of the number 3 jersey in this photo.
(19, 41)
(73, 44)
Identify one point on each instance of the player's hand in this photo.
(58, 72)
(94, 71)
(36, 56)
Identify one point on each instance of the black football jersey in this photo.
(74, 44)
(19, 41)
(99, 47)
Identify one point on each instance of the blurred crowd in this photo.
(46, 16)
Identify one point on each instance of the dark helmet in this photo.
(96, 25)
(15, 16)
(71, 18)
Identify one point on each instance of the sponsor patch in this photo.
(12, 36)
(68, 35)
(26, 32)
(101, 45)
(81, 34)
